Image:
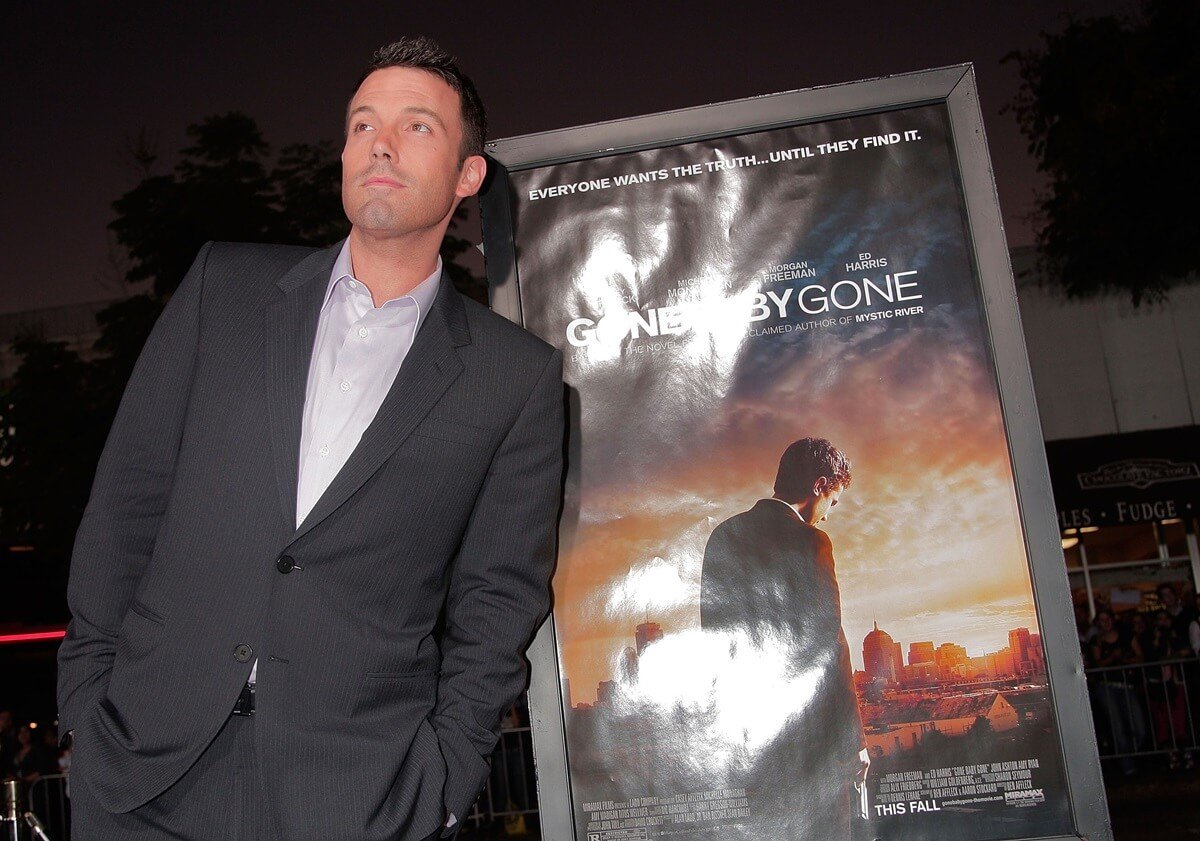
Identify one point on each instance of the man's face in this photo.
(401, 168)
(827, 496)
(1168, 598)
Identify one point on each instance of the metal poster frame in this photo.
(953, 87)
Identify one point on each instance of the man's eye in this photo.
(361, 126)
(421, 127)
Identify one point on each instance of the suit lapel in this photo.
(290, 329)
(431, 365)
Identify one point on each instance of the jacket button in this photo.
(285, 564)
(243, 653)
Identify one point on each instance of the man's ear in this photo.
(470, 176)
(820, 486)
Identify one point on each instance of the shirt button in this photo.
(353, 284)
(243, 653)
(345, 386)
(324, 450)
(363, 332)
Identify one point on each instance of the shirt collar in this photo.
(787, 505)
(422, 294)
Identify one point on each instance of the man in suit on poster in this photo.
(769, 575)
(322, 528)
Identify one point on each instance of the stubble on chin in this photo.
(374, 214)
(377, 215)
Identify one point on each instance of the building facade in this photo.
(1118, 393)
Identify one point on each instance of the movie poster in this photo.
(792, 598)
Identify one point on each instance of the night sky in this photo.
(82, 78)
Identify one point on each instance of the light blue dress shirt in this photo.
(356, 355)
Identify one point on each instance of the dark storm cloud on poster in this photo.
(716, 301)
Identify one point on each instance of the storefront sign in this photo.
(1134, 477)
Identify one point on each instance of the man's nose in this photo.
(383, 148)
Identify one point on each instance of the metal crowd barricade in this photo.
(511, 791)
(48, 798)
(1146, 708)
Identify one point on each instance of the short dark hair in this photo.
(422, 53)
(805, 461)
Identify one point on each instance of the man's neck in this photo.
(789, 505)
(392, 267)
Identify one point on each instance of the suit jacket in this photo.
(388, 628)
(769, 574)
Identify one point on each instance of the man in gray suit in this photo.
(769, 573)
(322, 528)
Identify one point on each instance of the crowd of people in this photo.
(1144, 679)
(29, 752)
(1131, 637)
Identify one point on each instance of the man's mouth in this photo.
(382, 181)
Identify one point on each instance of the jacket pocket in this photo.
(141, 631)
(401, 675)
(146, 613)
(444, 429)
(386, 699)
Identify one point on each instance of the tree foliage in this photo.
(454, 247)
(1110, 107)
(47, 431)
(220, 189)
(227, 185)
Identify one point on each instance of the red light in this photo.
(33, 636)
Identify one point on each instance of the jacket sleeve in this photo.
(499, 590)
(129, 496)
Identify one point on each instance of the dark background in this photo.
(82, 79)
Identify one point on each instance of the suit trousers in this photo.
(220, 798)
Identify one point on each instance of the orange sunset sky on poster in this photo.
(927, 538)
